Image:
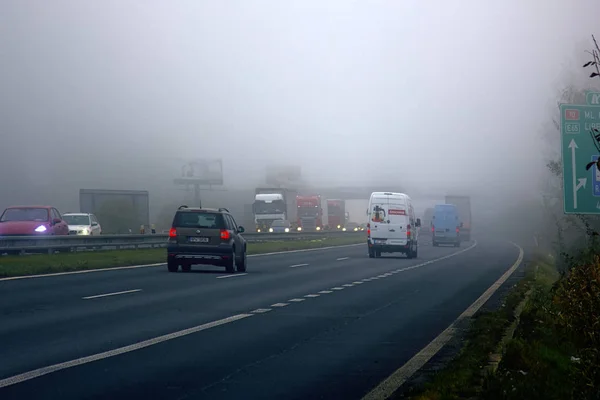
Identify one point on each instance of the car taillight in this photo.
(432, 228)
(172, 233)
(457, 229)
(225, 234)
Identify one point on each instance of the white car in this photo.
(82, 224)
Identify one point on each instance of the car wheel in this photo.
(434, 244)
(172, 266)
(186, 268)
(229, 264)
(241, 265)
(410, 254)
(377, 253)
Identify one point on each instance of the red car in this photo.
(32, 221)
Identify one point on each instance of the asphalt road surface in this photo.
(317, 324)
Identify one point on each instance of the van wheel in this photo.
(457, 244)
(371, 253)
(377, 253)
(416, 252)
(186, 268)
(434, 244)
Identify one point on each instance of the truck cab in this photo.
(268, 207)
(310, 213)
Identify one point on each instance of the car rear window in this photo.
(25, 214)
(199, 220)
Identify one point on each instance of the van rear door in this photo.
(445, 222)
(398, 220)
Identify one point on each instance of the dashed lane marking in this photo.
(312, 295)
(298, 265)
(231, 276)
(296, 300)
(325, 291)
(97, 296)
(342, 258)
(261, 310)
(279, 304)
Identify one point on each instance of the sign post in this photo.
(580, 146)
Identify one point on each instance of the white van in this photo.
(393, 226)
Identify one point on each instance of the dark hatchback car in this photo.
(208, 237)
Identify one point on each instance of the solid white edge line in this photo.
(97, 296)
(89, 271)
(386, 388)
(342, 258)
(121, 350)
(232, 275)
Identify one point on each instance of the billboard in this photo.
(118, 211)
(281, 175)
(201, 172)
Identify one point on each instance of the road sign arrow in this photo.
(576, 187)
(582, 183)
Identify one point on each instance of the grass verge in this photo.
(63, 262)
(462, 378)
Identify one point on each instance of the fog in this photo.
(433, 96)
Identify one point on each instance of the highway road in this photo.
(304, 325)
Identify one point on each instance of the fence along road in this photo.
(50, 244)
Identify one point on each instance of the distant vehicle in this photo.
(82, 224)
(280, 226)
(463, 205)
(351, 227)
(336, 213)
(206, 236)
(32, 221)
(310, 213)
(271, 204)
(445, 225)
(427, 217)
(392, 226)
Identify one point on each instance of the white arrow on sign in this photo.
(581, 182)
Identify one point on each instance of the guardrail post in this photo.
(142, 229)
(153, 229)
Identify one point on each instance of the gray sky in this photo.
(438, 93)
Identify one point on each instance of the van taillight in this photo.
(457, 229)
(432, 228)
(225, 234)
(172, 233)
(408, 231)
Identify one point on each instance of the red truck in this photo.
(310, 213)
(336, 212)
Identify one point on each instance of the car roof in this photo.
(48, 207)
(208, 210)
(73, 213)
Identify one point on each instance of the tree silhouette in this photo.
(595, 64)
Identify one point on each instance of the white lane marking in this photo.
(381, 276)
(231, 276)
(111, 294)
(279, 304)
(312, 295)
(261, 310)
(325, 291)
(348, 285)
(298, 265)
(89, 271)
(36, 373)
(337, 288)
(296, 300)
(357, 283)
(402, 374)
(342, 258)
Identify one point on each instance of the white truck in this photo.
(272, 204)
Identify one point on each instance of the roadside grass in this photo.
(463, 377)
(36, 264)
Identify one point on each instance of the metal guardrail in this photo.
(50, 244)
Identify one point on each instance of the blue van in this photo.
(445, 225)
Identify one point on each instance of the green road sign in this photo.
(580, 145)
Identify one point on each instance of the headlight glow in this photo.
(299, 228)
(287, 229)
(85, 231)
(40, 229)
(258, 230)
(355, 229)
(270, 229)
(339, 226)
(343, 229)
(318, 228)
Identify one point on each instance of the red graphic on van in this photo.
(397, 212)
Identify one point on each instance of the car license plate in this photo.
(380, 240)
(198, 239)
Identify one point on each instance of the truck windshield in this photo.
(333, 210)
(310, 211)
(275, 207)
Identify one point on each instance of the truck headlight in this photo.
(299, 228)
(270, 229)
(258, 230)
(318, 228)
(343, 229)
(339, 226)
(287, 229)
